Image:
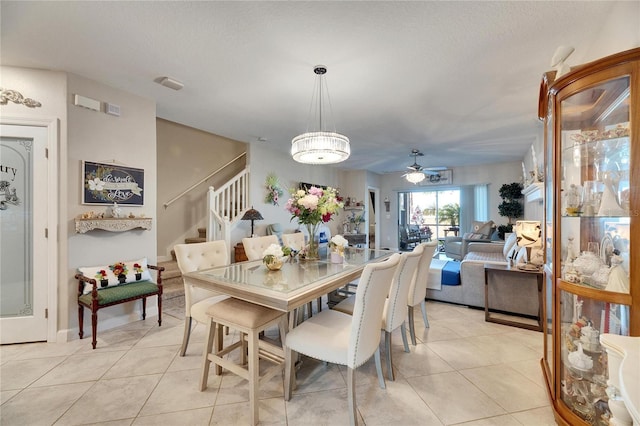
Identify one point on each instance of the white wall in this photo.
(495, 175)
(48, 88)
(126, 140)
(263, 161)
(185, 157)
(619, 32)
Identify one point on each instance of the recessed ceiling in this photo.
(457, 80)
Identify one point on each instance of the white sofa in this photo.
(510, 296)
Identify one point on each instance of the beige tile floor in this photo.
(463, 371)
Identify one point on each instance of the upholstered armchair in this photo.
(456, 247)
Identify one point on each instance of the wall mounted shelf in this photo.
(113, 224)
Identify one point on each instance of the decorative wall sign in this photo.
(112, 183)
(444, 177)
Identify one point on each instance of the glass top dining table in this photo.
(295, 284)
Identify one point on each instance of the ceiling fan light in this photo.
(415, 177)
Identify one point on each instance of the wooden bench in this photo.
(99, 298)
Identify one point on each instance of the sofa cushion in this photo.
(484, 228)
(124, 291)
(488, 257)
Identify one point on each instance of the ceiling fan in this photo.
(416, 172)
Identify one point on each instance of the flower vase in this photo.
(312, 248)
(336, 257)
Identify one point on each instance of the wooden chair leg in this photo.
(208, 345)
(144, 308)
(94, 328)
(289, 372)
(351, 393)
(81, 320)
(219, 341)
(254, 377)
(159, 310)
(379, 369)
(387, 349)
(412, 327)
(423, 307)
(187, 333)
(403, 332)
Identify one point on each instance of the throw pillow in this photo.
(467, 235)
(511, 240)
(116, 273)
(484, 228)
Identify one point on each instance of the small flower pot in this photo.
(104, 283)
(122, 278)
(138, 276)
(336, 258)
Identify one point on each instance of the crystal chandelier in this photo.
(320, 146)
(415, 177)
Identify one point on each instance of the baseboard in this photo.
(104, 324)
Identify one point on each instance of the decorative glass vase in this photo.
(272, 263)
(312, 247)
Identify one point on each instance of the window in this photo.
(438, 210)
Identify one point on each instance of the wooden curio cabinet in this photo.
(592, 232)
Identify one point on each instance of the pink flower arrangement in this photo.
(314, 205)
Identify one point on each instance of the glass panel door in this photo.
(23, 249)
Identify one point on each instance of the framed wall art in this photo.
(112, 183)
(444, 177)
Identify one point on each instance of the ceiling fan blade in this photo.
(436, 168)
(430, 172)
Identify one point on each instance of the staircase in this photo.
(225, 207)
(172, 285)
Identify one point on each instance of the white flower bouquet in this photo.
(337, 245)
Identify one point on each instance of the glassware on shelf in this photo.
(573, 200)
(592, 197)
(609, 205)
(618, 280)
(587, 263)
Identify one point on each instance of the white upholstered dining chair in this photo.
(395, 308)
(418, 290)
(254, 247)
(344, 339)
(294, 241)
(195, 257)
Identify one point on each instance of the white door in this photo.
(23, 241)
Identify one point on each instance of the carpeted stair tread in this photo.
(171, 270)
(195, 240)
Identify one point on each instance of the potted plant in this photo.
(511, 206)
(450, 213)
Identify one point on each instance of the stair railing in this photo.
(201, 181)
(226, 205)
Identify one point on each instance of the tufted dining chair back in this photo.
(196, 257)
(254, 247)
(418, 290)
(294, 241)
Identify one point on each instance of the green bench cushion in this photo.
(123, 291)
